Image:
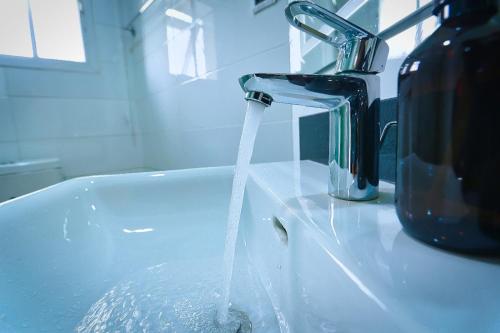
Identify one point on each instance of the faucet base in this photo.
(367, 194)
(345, 185)
(353, 102)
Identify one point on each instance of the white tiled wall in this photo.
(167, 98)
(183, 87)
(83, 118)
(404, 43)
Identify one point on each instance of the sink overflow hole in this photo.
(280, 230)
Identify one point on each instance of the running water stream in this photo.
(174, 296)
(253, 118)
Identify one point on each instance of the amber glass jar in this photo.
(448, 172)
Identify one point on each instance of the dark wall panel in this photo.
(314, 131)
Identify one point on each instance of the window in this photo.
(41, 30)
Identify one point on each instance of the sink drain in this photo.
(237, 322)
(245, 323)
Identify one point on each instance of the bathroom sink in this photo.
(130, 253)
(344, 266)
(141, 252)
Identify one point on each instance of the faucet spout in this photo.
(352, 101)
(320, 91)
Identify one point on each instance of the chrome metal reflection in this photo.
(352, 97)
(259, 97)
(353, 103)
(359, 49)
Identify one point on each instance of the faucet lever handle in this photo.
(359, 50)
(347, 29)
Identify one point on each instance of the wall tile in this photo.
(388, 112)
(164, 151)
(314, 139)
(260, 32)
(274, 143)
(81, 117)
(43, 118)
(110, 82)
(159, 112)
(8, 152)
(106, 12)
(389, 78)
(127, 10)
(7, 125)
(184, 81)
(109, 44)
(3, 85)
(198, 9)
(216, 146)
(219, 99)
(208, 147)
(145, 43)
(87, 156)
(35, 149)
(219, 27)
(151, 75)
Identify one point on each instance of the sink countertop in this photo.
(419, 287)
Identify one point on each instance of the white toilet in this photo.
(19, 178)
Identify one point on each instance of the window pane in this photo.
(58, 31)
(15, 36)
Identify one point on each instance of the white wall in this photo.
(404, 43)
(184, 92)
(81, 117)
(167, 98)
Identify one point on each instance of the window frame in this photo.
(88, 36)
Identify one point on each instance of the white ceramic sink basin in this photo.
(126, 253)
(141, 252)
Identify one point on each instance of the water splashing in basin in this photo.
(166, 299)
(253, 118)
(170, 297)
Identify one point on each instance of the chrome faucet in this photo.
(352, 96)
